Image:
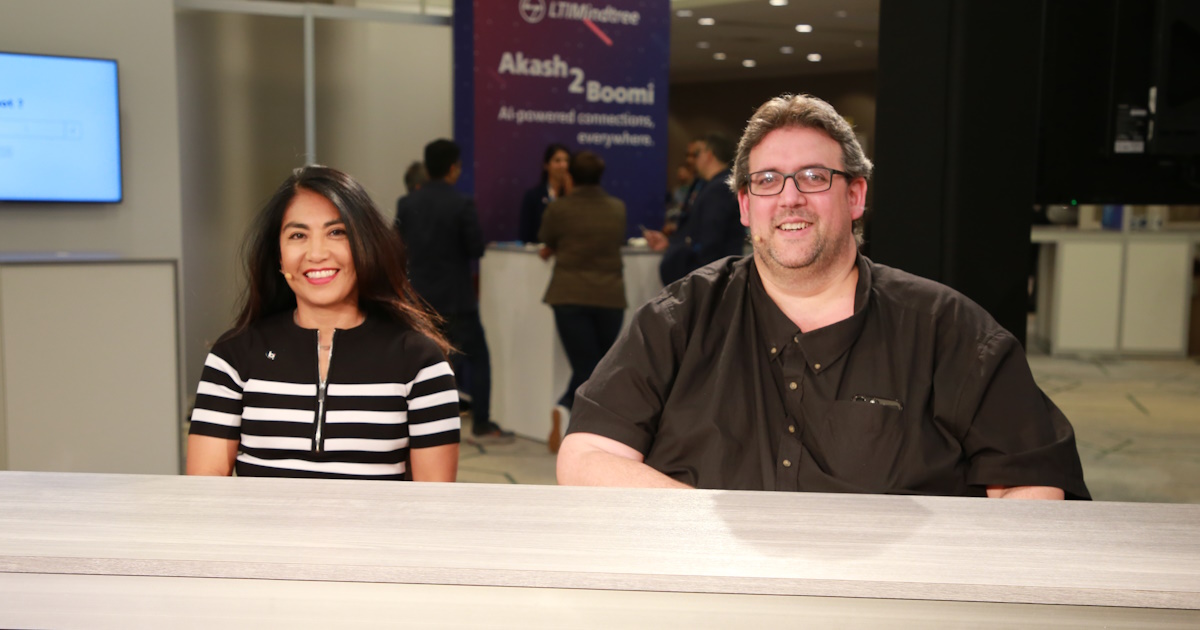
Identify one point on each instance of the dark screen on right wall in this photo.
(1120, 102)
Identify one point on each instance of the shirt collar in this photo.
(820, 347)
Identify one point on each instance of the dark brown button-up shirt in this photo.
(920, 391)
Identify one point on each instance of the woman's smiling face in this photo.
(314, 248)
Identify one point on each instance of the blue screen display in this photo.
(60, 137)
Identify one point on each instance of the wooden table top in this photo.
(753, 543)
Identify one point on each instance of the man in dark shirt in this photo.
(807, 366)
(708, 228)
(442, 236)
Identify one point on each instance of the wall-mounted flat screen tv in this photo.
(60, 132)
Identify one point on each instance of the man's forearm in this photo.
(1026, 492)
(579, 465)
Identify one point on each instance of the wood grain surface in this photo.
(745, 543)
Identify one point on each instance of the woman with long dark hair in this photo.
(556, 182)
(333, 368)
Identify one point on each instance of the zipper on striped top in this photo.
(317, 437)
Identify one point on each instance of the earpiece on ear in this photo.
(287, 275)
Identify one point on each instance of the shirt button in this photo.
(791, 428)
(792, 385)
(816, 366)
(774, 350)
(787, 463)
(796, 338)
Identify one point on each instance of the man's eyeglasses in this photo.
(809, 180)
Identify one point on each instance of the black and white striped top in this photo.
(388, 389)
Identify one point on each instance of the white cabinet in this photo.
(1156, 302)
(1113, 292)
(89, 368)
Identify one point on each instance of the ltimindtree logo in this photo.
(533, 10)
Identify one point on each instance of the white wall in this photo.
(384, 91)
(140, 35)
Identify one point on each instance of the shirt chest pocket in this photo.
(859, 442)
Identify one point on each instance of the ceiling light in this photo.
(841, 13)
(702, 45)
(684, 13)
(814, 57)
(707, 21)
(719, 56)
(804, 28)
(787, 50)
(779, 3)
(748, 63)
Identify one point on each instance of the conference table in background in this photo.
(98, 550)
(529, 366)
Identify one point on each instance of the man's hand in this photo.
(587, 459)
(1026, 492)
(655, 239)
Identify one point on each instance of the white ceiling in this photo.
(753, 29)
(744, 29)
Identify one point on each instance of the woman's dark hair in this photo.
(378, 253)
(549, 153)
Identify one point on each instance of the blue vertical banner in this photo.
(591, 76)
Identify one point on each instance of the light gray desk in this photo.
(126, 551)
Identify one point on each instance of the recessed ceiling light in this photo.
(814, 57)
(858, 43)
(804, 28)
(702, 45)
(706, 21)
(787, 50)
(748, 63)
(779, 3)
(719, 56)
(684, 13)
(841, 13)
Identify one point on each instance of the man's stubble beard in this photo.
(777, 259)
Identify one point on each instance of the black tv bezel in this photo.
(120, 139)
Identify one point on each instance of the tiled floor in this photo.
(1137, 423)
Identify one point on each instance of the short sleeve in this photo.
(433, 418)
(1017, 436)
(624, 398)
(218, 410)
